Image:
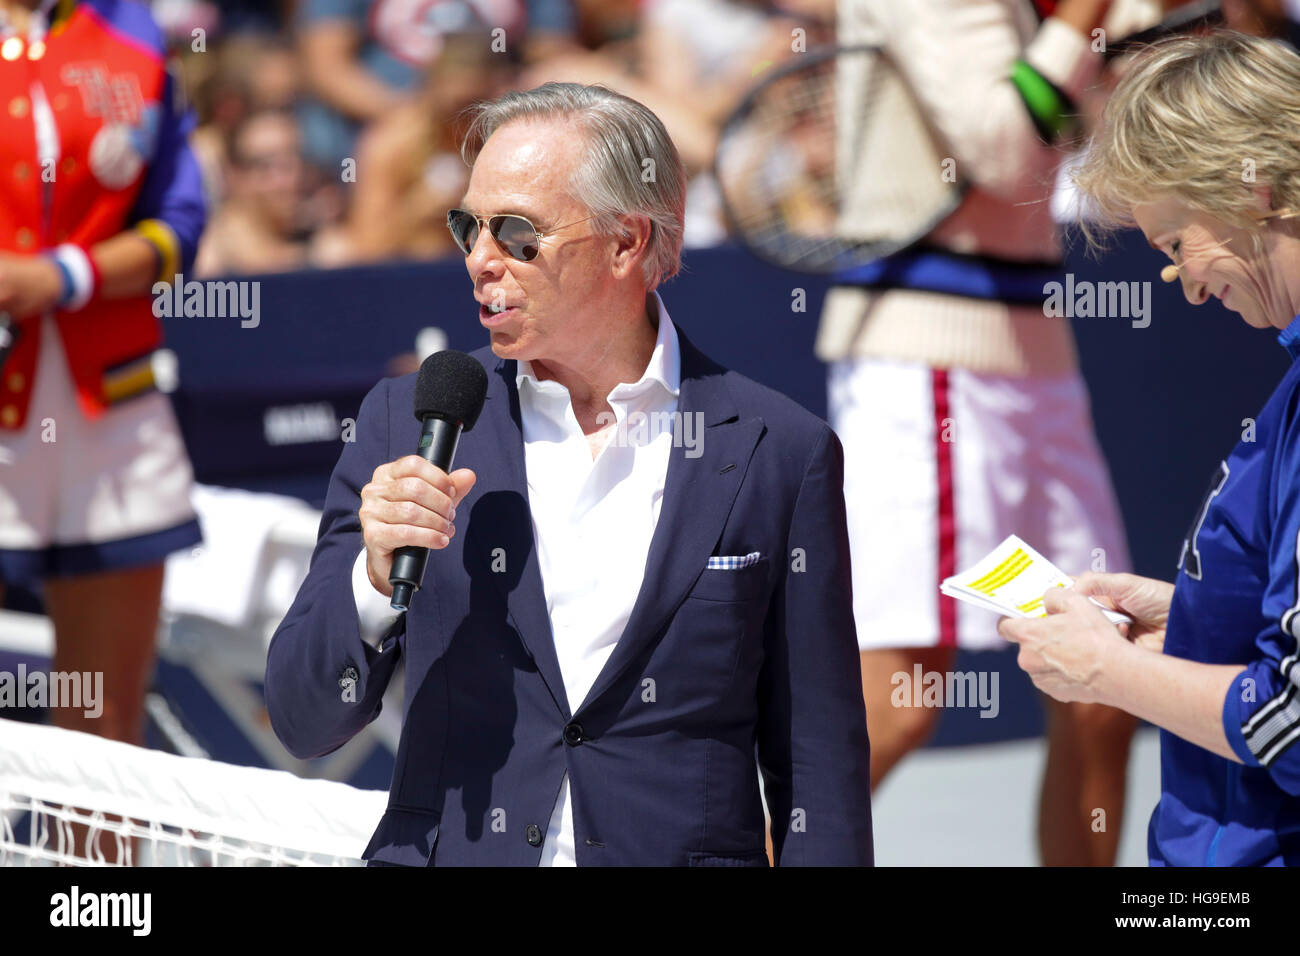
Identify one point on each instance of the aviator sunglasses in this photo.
(515, 234)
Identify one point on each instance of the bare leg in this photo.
(1082, 803)
(106, 623)
(896, 731)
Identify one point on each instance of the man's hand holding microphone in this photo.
(409, 506)
(408, 503)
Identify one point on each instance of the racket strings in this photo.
(831, 165)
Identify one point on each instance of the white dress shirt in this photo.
(593, 520)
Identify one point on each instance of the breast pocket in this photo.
(741, 584)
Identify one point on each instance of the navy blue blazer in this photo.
(715, 667)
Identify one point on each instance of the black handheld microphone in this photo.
(449, 394)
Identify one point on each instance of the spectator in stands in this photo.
(364, 58)
(244, 74)
(264, 15)
(409, 169)
(259, 228)
(179, 17)
(608, 25)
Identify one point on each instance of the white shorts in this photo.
(940, 466)
(104, 494)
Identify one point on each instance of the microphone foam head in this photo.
(451, 386)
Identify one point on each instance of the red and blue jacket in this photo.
(121, 161)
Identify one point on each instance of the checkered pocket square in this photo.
(733, 562)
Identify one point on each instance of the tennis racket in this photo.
(787, 153)
(841, 117)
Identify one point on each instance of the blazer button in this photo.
(533, 834)
(573, 734)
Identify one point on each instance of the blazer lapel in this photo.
(698, 494)
(526, 599)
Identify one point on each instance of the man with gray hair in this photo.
(642, 599)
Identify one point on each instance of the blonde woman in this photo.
(1210, 659)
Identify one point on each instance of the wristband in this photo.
(1048, 107)
(65, 280)
(166, 247)
(81, 277)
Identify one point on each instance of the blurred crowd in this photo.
(328, 130)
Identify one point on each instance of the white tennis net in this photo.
(145, 807)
